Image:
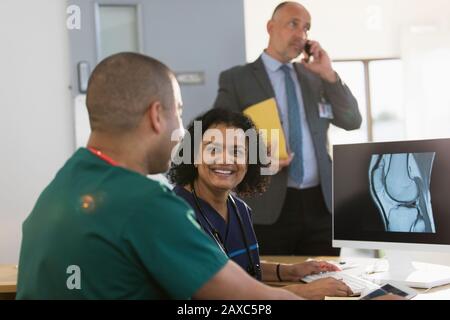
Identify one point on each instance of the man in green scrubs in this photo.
(101, 229)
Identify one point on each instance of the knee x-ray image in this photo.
(400, 188)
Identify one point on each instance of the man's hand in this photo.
(276, 165)
(321, 64)
(319, 289)
(282, 163)
(295, 272)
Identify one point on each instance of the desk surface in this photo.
(437, 293)
(8, 278)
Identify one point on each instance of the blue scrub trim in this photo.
(238, 252)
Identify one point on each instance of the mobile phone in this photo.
(307, 50)
(391, 288)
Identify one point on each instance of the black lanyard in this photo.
(254, 269)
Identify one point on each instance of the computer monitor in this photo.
(394, 196)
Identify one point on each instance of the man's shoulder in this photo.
(239, 69)
(149, 190)
(123, 187)
(149, 202)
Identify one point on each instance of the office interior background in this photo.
(394, 55)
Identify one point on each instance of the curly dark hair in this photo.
(182, 173)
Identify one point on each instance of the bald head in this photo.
(121, 89)
(288, 31)
(285, 4)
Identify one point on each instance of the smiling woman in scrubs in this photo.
(222, 164)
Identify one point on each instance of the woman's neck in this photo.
(217, 199)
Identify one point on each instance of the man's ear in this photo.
(269, 26)
(154, 116)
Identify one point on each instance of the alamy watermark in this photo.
(73, 281)
(236, 146)
(73, 21)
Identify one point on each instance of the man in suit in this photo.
(293, 216)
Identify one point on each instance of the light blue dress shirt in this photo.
(276, 76)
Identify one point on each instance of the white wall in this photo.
(36, 121)
(350, 29)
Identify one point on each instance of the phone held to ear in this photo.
(307, 50)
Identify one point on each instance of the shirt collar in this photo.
(273, 64)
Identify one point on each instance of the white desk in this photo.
(437, 293)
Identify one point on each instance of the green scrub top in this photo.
(104, 232)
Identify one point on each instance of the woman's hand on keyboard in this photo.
(319, 289)
(296, 272)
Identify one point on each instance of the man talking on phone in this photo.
(293, 215)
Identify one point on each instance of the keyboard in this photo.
(357, 285)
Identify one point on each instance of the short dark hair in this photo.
(186, 173)
(122, 87)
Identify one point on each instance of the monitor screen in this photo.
(392, 192)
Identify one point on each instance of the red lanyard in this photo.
(102, 156)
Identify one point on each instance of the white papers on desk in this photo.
(434, 294)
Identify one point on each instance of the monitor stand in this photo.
(413, 274)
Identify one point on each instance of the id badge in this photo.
(325, 110)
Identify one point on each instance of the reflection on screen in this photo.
(385, 290)
(400, 189)
(390, 289)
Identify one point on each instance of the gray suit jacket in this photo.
(244, 86)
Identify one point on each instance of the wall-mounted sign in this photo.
(190, 78)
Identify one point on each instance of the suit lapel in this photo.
(263, 78)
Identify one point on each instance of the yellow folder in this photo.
(267, 120)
